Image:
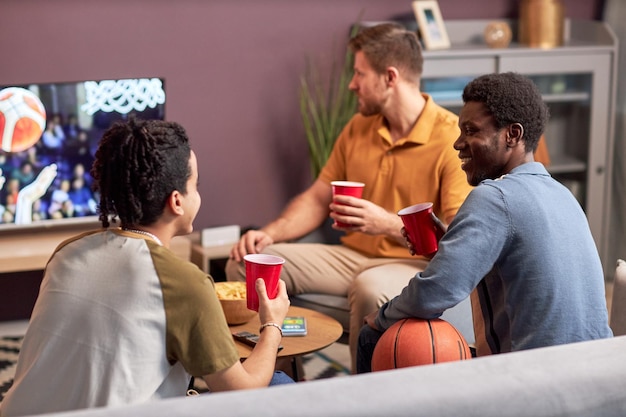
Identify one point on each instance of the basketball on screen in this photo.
(22, 119)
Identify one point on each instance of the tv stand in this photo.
(30, 250)
(24, 254)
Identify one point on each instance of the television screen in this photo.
(48, 135)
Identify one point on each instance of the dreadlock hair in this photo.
(137, 165)
(511, 98)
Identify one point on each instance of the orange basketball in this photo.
(414, 342)
(22, 119)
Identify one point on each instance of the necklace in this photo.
(142, 232)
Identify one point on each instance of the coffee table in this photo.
(322, 331)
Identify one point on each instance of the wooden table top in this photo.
(322, 331)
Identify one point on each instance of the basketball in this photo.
(22, 119)
(414, 342)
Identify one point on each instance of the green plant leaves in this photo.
(326, 107)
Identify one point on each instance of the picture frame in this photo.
(430, 24)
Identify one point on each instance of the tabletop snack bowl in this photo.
(232, 296)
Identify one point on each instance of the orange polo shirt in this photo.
(422, 167)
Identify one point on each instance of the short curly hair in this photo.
(511, 98)
(137, 165)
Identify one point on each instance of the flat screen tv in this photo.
(48, 135)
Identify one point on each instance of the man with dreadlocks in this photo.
(121, 319)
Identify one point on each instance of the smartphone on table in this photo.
(294, 326)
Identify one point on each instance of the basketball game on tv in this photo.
(48, 136)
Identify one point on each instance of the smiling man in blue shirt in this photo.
(520, 243)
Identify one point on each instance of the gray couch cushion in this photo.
(576, 380)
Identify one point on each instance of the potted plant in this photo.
(326, 107)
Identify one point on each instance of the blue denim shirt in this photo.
(523, 242)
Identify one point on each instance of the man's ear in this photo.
(514, 134)
(175, 204)
(391, 76)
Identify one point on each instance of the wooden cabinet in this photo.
(578, 81)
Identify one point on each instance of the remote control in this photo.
(249, 339)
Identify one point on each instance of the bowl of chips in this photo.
(232, 296)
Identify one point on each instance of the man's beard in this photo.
(368, 108)
(489, 170)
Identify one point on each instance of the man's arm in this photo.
(257, 370)
(302, 215)
(31, 193)
(469, 251)
(366, 217)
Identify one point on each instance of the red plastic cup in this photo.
(268, 267)
(351, 188)
(421, 228)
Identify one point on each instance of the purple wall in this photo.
(231, 69)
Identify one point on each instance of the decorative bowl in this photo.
(232, 296)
